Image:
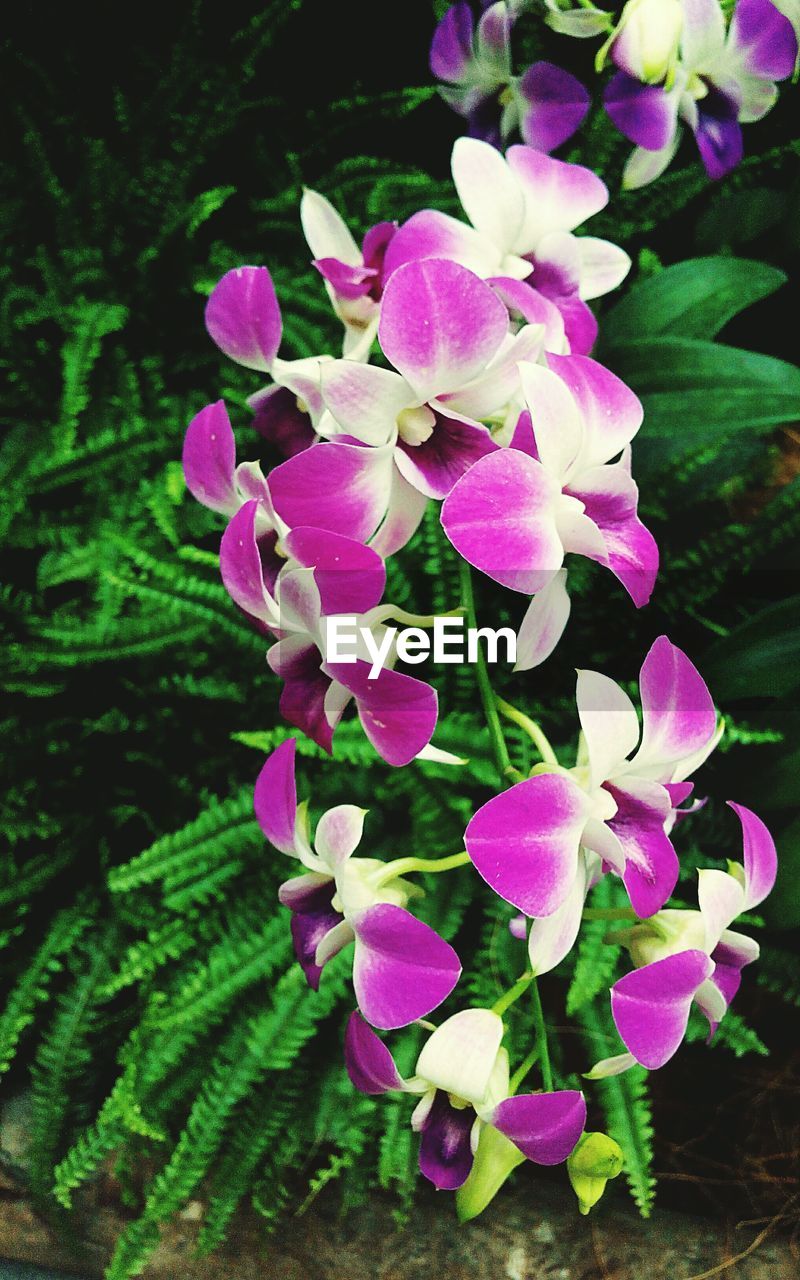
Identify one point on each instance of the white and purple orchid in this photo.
(617, 802)
(462, 1075)
(353, 277)
(473, 60)
(455, 361)
(725, 76)
(517, 513)
(523, 208)
(685, 957)
(402, 969)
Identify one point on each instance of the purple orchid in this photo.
(462, 1074)
(519, 511)
(328, 575)
(686, 957)
(243, 318)
(546, 104)
(723, 79)
(523, 209)
(353, 277)
(402, 969)
(617, 802)
(455, 362)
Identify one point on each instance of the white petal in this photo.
(339, 833)
(325, 231)
(555, 418)
(490, 194)
(552, 937)
(603, 266)
(609, 722)
(611, 1066)
(460, 1055)
(721, 899)
(544, 623)
(363, 400)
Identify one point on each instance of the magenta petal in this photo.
(279, 420)
(651, 1005)
(440, 325)
(651, 863)
(244, 319)
(397, 711)
(340, 487)
(302, 702)
(718, 133)
(525, 841)
(445, 1153)
(451, 47)
(240, 564)
(499, 517)
(760, 856)
(612, 414)
(610, 498)
(764, 39)
(402, 968)
(369, 1063)
(455, 445)
(348, 281)
(545, 1126)
(555, 105)
(275, 797)
(309, 927)
(209, 459)
(645, 113)
(350, 577)
(678, 717)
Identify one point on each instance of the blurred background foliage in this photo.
(153, 1021)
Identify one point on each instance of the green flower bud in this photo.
(595, 1159)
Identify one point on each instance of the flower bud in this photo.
(647, 39)
(595, 1159)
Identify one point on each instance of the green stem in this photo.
(403, 866)
(499, 750)
(507, 999)
(522, 1070)
(531, 728)
(541, 1038)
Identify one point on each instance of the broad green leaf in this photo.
(697, 394)
(692, 299)
(759, 658)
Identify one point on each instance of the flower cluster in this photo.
(484, 397)
(708, 65)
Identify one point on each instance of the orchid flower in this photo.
(686, 957)
(462, 1075)
(447, 335)
(546, 103)
(353, 277)
(723, 79)
(616, 802)
(402, 969)
(516, 513)
(523, 209)
(338, 576)
(243, 318)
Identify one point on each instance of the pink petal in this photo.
(244, 319)
(559, 196)
(209, 459)
(397, 712)
(402, 969)
(240, 565)
(275, 797)
(340, 487)
(430, 234)
(763, 39)
(651, 1005)
(440, 325)
(350, 577)
(500, 517)
(610, 498)
(651, 864)
(611, 413)
(525, 842)
(369, 1063)
(760, 856)
(405, 511)
(545, 1126)
(677, 711)
(304, 700)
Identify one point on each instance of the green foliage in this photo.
(150, 1002)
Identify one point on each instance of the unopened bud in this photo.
(595, 1159)
(647, 39)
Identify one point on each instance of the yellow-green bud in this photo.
(647, 39)
(595, 1159)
